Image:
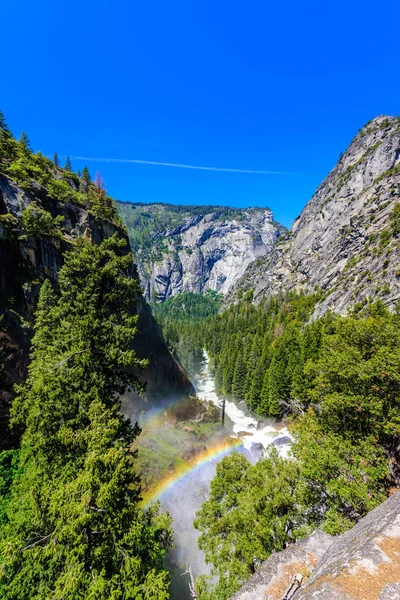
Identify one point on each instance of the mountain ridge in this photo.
(345, 233)
(181, 248)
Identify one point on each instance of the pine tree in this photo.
(254, 397)
(55, 160)
(74, 526)
(101, 204)
(68, 164)
(24, 141)
(86, 180)
(3, 124)
(228, 376)
(239, 377)
(265, 395)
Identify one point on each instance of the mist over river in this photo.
(184, 495)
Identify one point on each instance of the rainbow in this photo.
(216, 451)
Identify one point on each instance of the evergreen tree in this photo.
(3, 124)
(254, 397)
(86, 180)
(228, 376)
(265, 394)
(68, 164)
(24, 141)
(55, 160)
(74, 526)
(239, 377)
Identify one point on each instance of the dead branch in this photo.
(39, 541)
(192, 588)
(62, 362)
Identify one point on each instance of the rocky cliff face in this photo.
(26, 260)
(346, 241)
(361, 564)
(201, 248)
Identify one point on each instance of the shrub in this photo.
(38, 222)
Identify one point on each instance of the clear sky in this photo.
(257, 85)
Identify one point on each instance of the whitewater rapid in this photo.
(249, 429)
(187, 495)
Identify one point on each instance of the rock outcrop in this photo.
(203, 248)
(24, 263)
(346, 240)
(361, 564)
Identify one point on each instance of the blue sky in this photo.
(248, 85)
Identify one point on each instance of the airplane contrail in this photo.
(180, 165)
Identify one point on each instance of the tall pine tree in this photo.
(74, 528)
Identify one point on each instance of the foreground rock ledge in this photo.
(361, 564)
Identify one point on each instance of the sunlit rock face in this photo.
(344, 242)
(206, 251)
(361, 564)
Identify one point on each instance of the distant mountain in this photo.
(346, 241)
(196, 248)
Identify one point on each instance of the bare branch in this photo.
(39, 541)
(192, 589)
(62, 362)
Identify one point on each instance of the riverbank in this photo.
(178, 450)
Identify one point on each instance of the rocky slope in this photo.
(361, 564)
(347, 239)
(25, 260)
(193, 249)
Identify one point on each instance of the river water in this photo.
(185, 498)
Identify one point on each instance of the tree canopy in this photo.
(70, 524)
(344, 400)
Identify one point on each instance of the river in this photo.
(184, 498)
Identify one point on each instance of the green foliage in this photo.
(188, 307)
(255, 350)
(345, 390)
(180, 317)
(68, 164)
(9, 471)
(9, 224)
(253, 510)
(73, 526)
(395, 219)
(24, 142)
(38, 222)
(29, 169)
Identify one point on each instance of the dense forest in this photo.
(71, 525)
(70, 522)
(338, 380)
(182, 319)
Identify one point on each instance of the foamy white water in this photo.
(245, 425)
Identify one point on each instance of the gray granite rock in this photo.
(361, 564)
(275, 575)
(335, 244)
(208, 252)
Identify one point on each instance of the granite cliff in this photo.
(193, 249)
(26, 260)
(361, 564)
(346, 240)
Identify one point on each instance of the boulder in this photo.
(361, 564)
